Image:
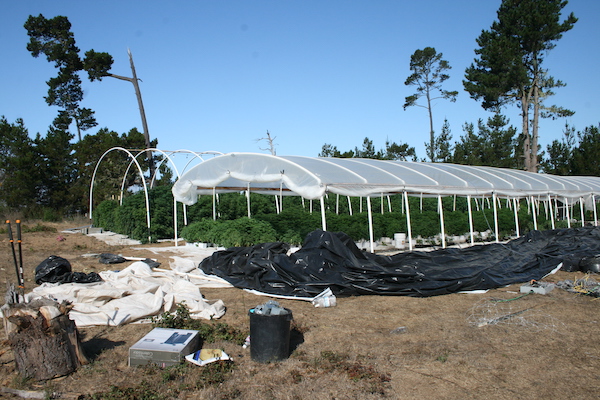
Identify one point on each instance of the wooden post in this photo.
(44, 341)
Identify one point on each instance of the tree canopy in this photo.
(392, 151)
(429, 72)
(509, 67)
(54, 39)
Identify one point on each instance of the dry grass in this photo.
(345, 352)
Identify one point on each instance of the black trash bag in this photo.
(107, 258)
(590, 264)
(55, 269)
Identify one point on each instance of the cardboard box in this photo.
(537, 287)
(164, 347)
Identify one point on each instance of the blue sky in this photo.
(216, 75)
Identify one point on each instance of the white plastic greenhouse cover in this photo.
(312, 178)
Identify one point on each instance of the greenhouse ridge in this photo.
(312, 178)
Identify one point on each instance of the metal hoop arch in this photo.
(141, 173)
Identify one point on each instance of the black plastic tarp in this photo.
(55, 269)
(328, 259)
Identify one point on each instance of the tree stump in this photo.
(44, 341)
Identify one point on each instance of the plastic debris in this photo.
(271, 307)
(246, 342)
(399, 330)
(207, 356)
(586, 286)
(325, 299)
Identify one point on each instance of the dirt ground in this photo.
(367, 347)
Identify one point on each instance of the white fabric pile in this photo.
(136, 292)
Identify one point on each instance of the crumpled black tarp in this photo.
(55, 269)
(109, 258)
(329, 259)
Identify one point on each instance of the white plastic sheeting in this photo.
(134, 293)
(312, 178)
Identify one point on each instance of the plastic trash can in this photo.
(270, 336)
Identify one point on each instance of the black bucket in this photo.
(270, 336)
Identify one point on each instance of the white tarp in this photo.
(136, 292)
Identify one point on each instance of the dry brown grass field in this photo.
(352, 351)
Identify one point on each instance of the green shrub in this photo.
(201, 231)
(104, 215)
(244, 232)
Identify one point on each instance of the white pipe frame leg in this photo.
(408, 226)
(442, 228)
(496, 230)
(323, 219)
(370, 215)
(470, 210)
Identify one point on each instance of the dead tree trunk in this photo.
(44, 341)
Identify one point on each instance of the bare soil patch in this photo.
(351, 351)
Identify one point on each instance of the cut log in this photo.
(44, 341)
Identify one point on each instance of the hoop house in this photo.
(313, 178)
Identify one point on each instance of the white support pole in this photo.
(534, 213)
(568, 212)
(360, 205)
(277, 204)
(496, 233)
(248, 200)
(582, 212)
(454, 203)
(323, 220)
(175, 220)
(370, 214)
(402, 202)
(303, 205)
(280, 197)
(595, 212)
(381, 202)
(389, 203)
(214, 195)
(421, 203)
(408, 226)
(349, 204)
(442, 228)
(310, 205)
(337, 203)
(516, 210)
(472, 234)
(551, 211)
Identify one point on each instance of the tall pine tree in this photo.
(509, 68)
